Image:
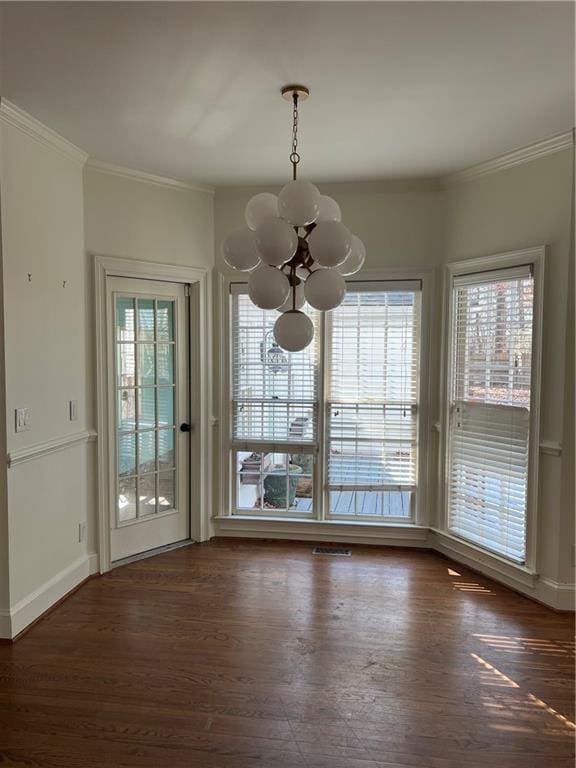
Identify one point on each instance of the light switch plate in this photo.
(22, 419)
(81, 531)
(73, 410)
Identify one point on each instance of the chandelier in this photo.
(295, 248)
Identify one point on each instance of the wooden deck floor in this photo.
(261, 655)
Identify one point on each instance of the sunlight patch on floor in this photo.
(499, 678)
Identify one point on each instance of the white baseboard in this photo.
(31, 607)
(561, 597)
(326, 530)
(557, 595)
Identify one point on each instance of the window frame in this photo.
(535, 257)
(226, 487)
(366, 286)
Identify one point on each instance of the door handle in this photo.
(185, 427)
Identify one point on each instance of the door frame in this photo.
(200, 353)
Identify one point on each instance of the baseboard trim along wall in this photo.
(325, 530)
(26, 611)
(560, 597)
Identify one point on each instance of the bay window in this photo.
(330, 432)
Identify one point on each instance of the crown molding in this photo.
(147, 178)
(12, 115)
(526, 154)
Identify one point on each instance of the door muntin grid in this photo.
(145, 360)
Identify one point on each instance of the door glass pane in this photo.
(146, 394)
(166, 448)
(165, 321)
(146, 452)
(146, 408)
(165, 406)
(166, 491)
(146, 495)
(126, 409)
(146, 366)
(124, 319)
(127, 454)
(126, 357)
(145, 319)
(127, 499)
(165, 363)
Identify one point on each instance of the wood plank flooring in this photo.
(240, 654)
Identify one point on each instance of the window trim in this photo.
(536, 257)
(225, 491)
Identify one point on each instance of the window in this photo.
(274, 415)
(372, 411)
(490, 398)
(365, 359)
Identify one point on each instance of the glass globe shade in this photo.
(262, 206)
(355, 259)
(299, 203)
(276, 241)
(329, 209)
(330, 243)
(302, 273)
(268, 287)
(239, 250)
(325, 289)
(293, 331)
(300, 299)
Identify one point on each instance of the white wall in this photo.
(528, 205)
(42, 235)
(147, 221)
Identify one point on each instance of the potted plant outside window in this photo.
(279, 493)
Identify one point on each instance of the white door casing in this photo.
(195, 398)
(149, 404)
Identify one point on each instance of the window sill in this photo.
(392, 534)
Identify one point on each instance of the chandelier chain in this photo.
(294, 156)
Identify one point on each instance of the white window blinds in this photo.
(274, 393)
(489, 426)
(372, 409)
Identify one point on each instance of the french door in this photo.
(149, 415)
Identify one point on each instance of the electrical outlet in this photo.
(73, 410)
(22, 419)
(81, 531)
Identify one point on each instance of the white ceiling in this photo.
(191, 90)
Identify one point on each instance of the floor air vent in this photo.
(332, 551)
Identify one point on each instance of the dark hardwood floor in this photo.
(261, 655)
